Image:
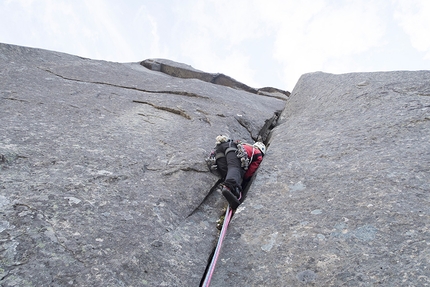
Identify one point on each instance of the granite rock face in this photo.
(342, 197)
(102, 174)
(103, 180)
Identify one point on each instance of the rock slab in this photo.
(342, 196)
(102, 174)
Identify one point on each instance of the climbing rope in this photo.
(210, 271)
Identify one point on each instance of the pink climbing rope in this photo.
(211, 269)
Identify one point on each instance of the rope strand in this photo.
(210, 272)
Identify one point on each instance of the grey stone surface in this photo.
(342, 196)
(103, 180)
(102, 174)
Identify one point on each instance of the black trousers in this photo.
(230, 166)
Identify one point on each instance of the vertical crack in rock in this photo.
(206, 197)
(263, 136)
(269, 125)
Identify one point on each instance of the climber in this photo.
(236, 163)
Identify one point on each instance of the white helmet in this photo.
(261, 147)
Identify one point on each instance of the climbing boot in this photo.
(232, 197)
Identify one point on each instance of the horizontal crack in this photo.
(170, 172)
(15, 99)
(174, 111)
(282, 98)
(187, 94)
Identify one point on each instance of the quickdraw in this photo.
(243, 156)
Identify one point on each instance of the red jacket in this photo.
(254, 162)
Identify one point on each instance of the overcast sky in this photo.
(258, 42)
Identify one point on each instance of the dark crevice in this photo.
(15, 99)
(269, 125)
(174, 170)
(187, 94)
(214, 187)
(263, 134)
(282, 98)
(167, 109)
(5, 275)
(273, 93)
(208, 265)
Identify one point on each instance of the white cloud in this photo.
(26, 4)
(414, 18)
(155, 43)
(230, 21)
(313, 34)
(108, 30)
(213, 33)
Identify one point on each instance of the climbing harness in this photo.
(240, 153)
(210, 270)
